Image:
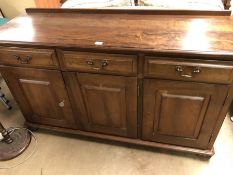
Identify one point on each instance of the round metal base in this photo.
(21, 140)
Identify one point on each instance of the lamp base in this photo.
(21, 139)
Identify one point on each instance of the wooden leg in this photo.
(32, 128)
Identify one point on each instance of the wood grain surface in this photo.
(156, 80)
(133, 32)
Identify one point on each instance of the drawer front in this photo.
(28, 57)
(98, 62)
(203, 71)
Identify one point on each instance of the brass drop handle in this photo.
(196, 70)
(25, 60)
(62, 103)
(89, 62)
(103, 64)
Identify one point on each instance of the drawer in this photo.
(28, 57)
(203, 71)
(98, 62)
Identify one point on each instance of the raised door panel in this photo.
(108, 108)
(107, 104)
(41, 95)
(180, 106)
(181, 113)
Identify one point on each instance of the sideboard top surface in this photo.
(121, 31)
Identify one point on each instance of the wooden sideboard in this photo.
(154, 80)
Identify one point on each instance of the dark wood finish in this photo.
(108, 104)
(98, 62)
(202, 71)
(28, 57)
(81, 32)
(181, 113)
(41, 95)
(221, 117)
(140, 77)
(147, 60)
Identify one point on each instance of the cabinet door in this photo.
(104, 103)
(41, 95)
(181, 113)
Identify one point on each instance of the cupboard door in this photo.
(104, 103)
(41, 95)
(181, 113)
